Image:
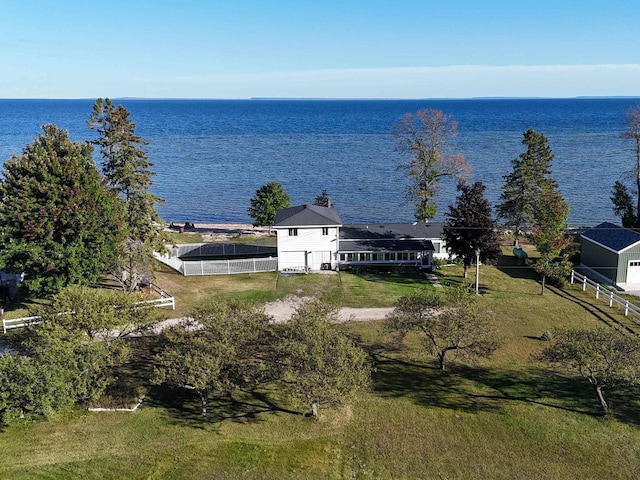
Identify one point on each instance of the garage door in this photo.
(633, 272)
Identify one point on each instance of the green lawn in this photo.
(507, 417)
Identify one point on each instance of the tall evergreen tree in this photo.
(623, 204)
(60, 224)
(530, 174)
(470, 227)
(128, 173)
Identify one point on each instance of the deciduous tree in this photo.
(530, 175)
(428, 137)
(462, 326)
(70, 355)
(321, 365)
(60, 224)
(223, 348)
(128, 173)
(470, 227)
(268, 199)
(604, 357)
(633, 133)
(548, 235)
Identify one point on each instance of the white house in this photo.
(308, 237)
(311, 237)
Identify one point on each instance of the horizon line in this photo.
(577, 97)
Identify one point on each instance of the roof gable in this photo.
(307, 216)
(612, 236)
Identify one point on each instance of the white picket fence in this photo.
(605, 294)
(165, 300)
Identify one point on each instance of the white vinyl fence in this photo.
(605, 294)
(165, 300)
(191, 259)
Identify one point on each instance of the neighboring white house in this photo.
(311, 237)
(307, 237)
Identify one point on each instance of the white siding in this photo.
(309, 245)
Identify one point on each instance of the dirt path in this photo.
(281, 311)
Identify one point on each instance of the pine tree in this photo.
(128, 173)
(61, 225)
(530, 175)
(623, 204)
(470, 227)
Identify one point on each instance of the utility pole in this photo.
(477, 271)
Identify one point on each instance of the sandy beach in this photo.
(224, 231)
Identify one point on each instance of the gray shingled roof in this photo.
(389, 237)
(612, 236)
(307, 216)
(420, 230)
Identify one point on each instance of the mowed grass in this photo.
(506, 417)
(346, 289)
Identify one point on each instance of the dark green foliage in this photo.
(128, 172)
(623, 205)
(321, 365)
(428, 137)
(550, 217)
(30, 388)
(460, 326)
(606, 358)
(61, 225)
(223, 347)
(69, 357)
(530, 175)
(470, 227)
(266, 202)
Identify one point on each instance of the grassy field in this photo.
(507, 417)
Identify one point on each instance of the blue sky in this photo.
(324, 48)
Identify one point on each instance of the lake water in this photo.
(210, 156)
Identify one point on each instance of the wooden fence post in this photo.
(584, 284)
(597, 291)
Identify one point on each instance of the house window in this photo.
(404, 256)
(412, 255)
(436, 247)
(293, 232)
(325, 230)
(388, 256)
(342, 257)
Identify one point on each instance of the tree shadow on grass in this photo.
(184, 407)
(599, 312)
(482, 389)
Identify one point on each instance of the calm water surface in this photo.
(210, 156)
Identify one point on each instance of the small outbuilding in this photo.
(613, 252)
